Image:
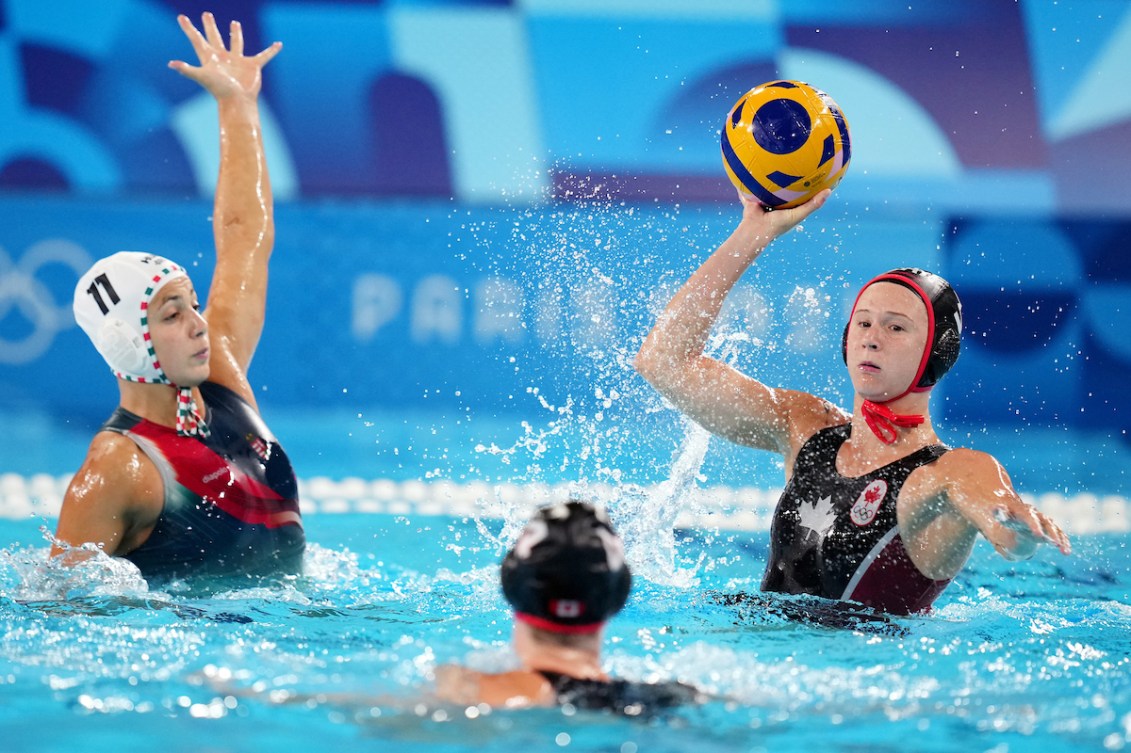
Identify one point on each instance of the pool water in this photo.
(402, 576)
(1027, 656)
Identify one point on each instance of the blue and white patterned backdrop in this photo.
(480, 197)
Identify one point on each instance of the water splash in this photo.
(647, 518)
(77, 573)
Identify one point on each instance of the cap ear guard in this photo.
(122, 345)
(110, 305)
(943, 355)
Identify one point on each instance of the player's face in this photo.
(887, 338)
(180, 334)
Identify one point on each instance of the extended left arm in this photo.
(983, 494)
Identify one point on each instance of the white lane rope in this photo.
(723, 508)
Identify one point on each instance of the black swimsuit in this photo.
(621, 696)
(838, 537)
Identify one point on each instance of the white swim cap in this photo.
(112, 307)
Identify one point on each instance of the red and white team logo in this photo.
(868, 503)
(566, 609)
(259, 446)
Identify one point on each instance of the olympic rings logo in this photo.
(23, 295)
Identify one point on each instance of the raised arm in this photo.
(243, 220)
(710, 392)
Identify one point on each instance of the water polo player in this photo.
(876, 508)
(185, 477)
(565, 577)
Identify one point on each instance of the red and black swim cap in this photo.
(944, 318)
(566, 572)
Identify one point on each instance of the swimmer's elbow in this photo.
(647, 360)
(643, 362)
(68, 556)
(656, 357)
(657, 367)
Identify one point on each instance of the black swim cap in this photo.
(944, 319)
(566, 573)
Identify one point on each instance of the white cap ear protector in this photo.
(111, 304)
(122, 347)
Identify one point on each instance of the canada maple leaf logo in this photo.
(817, 516)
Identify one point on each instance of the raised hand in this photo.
(777, 222)
(224, 71)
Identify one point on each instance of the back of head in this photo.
(566, 572)
(111, 304)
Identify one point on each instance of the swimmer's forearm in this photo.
(681, 331)
(243, 219)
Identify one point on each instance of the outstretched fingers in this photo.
(222, 71)
(1054, 534)
(212, 31)
(1043, 528)
(263, 58)
(199, 45)
(212, 40)
(235, 38)
(1028, 521)
(198, 42)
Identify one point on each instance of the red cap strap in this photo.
(883, 420)
(556, 627)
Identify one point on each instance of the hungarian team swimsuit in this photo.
(231, 500)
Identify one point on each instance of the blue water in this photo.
(1029, 656)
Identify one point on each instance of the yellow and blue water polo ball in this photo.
(784, 141)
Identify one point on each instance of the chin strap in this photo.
(883, 421)
(189, 421)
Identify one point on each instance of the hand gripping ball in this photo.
(783, 142)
